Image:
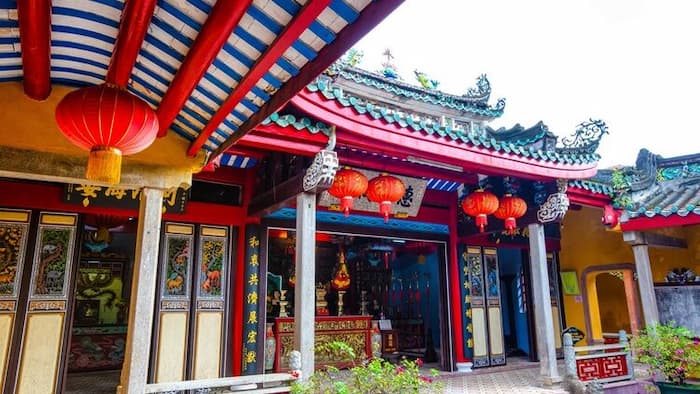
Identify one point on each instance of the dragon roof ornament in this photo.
(586, 138)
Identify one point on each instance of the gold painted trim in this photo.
(14, 216)
(474, 250)
(52, 218)
(214, 231)
(47, 305)
(179, 229)
(489, 251)
(8, 305)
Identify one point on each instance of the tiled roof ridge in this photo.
(475, 101)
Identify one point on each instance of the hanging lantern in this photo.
(348, 184)
(108, 122)
(480, 204)
(509, 209)
(385, 190)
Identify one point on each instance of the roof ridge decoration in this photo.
(586, 138)
(476, 97)
(657, 186)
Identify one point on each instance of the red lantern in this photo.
(509, 209)
(385, 190)
(480, 204)
(348, 184)
(108, 122)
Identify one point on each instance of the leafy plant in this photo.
(376, 376)
(620, 185)
(668, 348)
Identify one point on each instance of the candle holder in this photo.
(341, 293)
(283, 303)
(321, 303)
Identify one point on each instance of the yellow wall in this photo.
(585, 242)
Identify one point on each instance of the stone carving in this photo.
(556, 206)
(295, 363)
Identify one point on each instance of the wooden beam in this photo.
(370, 17)
(135, 20)
(282, 195)
(291, 33)
(223, 18)
(35, 36)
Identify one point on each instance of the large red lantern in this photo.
(480, 204)
(385, 190)
(108, 122)
(509, 209)
(348, 184)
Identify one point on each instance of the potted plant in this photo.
(672, 350)
(375, 376)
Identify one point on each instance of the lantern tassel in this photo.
(385, 209)
(104, 165)
(481, 221)
(510, 225)
(346, 205)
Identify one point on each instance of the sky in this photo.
(632, 63)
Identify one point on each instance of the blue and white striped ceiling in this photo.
(83, 35)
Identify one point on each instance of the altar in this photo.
(355, 331)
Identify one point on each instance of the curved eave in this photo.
(364, 132)
(659, 221)
(582, 196)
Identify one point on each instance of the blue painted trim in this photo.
(78, 72)
(83, 47)
(8, 23)
(8, 4)
(118, 5)
(165, 48)
(264, 19)
(10, 67)
(153, 74)
(9, 40)
(322, 32)
(269, 78)
(285, 65)
(7, 55)
(70, 82)
(10, 79)
(250, 39)
(304, 49)
(179, 15)
(221, 65)
(238, 55)
(181, 132)
(366, 221)
(138, 93)
(81, 60)
(291, 7)
(84, 15)
(83, 32)
(200, 5)
(170, 30)
(157, 61)
(344, 10)
(246, 103)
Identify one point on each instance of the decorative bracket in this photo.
(556, 205)
(319, 176)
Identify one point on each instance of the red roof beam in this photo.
(135, 20)
(291, 33)
(223, 18)
(370, 17)
(35, 37)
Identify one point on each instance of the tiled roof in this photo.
(659, 186)
(592, 185)
(517, 140)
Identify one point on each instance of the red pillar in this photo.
(454, 286)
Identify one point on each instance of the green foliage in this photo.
(376, 376)
(668, 348)
(620, 186)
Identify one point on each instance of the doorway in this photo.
(514, 299)
(102, 289)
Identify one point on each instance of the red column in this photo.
(454, 286)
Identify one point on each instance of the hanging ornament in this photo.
(348, 184)
(108, 122)
(385, 190)
(510, 208)
(480, 204)
(341, 279)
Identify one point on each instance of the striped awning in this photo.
(273, 43)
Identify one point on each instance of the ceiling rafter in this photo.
(133, 27)
(215, 32)
(35, 38)
(291, 33)
(370, 17)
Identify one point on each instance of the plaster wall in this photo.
(586, 243)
